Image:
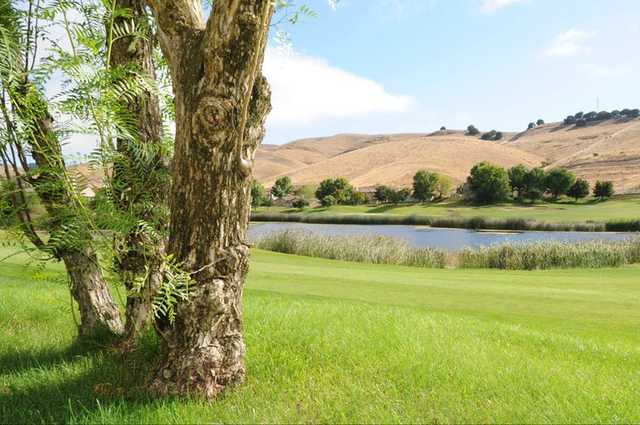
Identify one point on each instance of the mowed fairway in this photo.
(567, 211)
(342, 342)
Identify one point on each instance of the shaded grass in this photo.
(345, 342)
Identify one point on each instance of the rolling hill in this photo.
(607, 150)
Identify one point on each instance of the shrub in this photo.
(603, 189)
(424, 185)
(300, 203)
(531, 125)
(339, 188)
(328, 201)
(603, 115)
(570, 120)
(258, 194)
(488, 135)
(581, 122)
(534, 184)
(443, 128)
(517, 176)
(498, 135)
(540, 122)
(358, 198)
(472, 130)
(383, 193)
(282, 187)
(579, 190)
(559, 181)
(443, 187)
(488, 183)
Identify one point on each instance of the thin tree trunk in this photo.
(221, 106)
(141, 187)
(99, 314)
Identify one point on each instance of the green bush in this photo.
(258, 194)
(579, 190)
(282, 187)
(358, 198)
(339, 188)
(540, 122)
(603, 189)
(300, 203)
(489, 183)
(559, 181)
(328, 201)
(472, 130)
(425, 185)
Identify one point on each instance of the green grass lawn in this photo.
(344, 342)
(566, 211)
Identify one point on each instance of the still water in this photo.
(419, 236)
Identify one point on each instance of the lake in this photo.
(419, 236)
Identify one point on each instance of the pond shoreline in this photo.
(472, 223)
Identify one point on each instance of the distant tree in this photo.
(443, 128)
(282, 187)
(559, 181)
(534, 184)
(358, 198)
(531, 126)
(603, 189)
(540, 122)
(578, 115)
(401, 195)
(490, 135)
(424, 185)
(579, 190)
(258, 194)
(615, 113)
(498, 135)
(306, 191)
(634, 113)
(339, 188)
(570, 120)
(488, 183)
(300, 203)
(328, 201)
(472, 130)
(517, 179)
(382, 193)
(443, 187)
(581, 122)
(591, 116)
(603, 115)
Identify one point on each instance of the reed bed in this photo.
(475, 223)
(552, 255)
(362, 249)
(389, 250)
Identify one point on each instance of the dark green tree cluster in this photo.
(580, 119)
(339, 191)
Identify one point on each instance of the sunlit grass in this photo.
(332, 341)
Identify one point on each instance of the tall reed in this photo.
(389, 250)
(363, 249)
(552, 255)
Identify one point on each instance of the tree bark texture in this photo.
(69, 238)
(140, 187)
(221, 105)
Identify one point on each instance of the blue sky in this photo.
(378, 66)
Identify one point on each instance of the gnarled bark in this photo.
(99, 314)
(221, 106)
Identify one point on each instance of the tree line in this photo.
(487, 183)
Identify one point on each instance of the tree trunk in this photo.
(221, 106)
(141, 187)
(99, 314)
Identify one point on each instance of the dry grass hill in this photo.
(608, 150)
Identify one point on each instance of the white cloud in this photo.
(492, 6)
(307, 89)
(570, 43)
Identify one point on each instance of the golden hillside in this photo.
(609, 150)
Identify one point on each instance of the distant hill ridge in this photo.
(605, 150)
